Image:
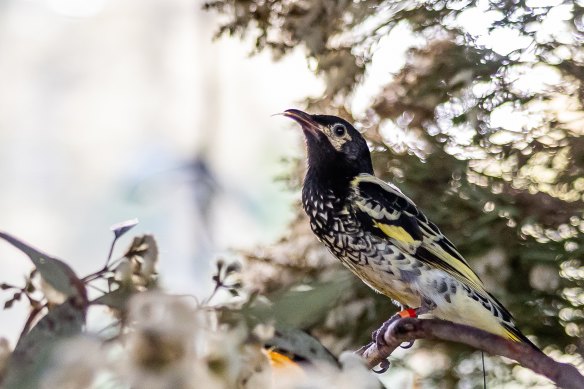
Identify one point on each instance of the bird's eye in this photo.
(339, 130)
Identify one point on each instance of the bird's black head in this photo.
(336, 150)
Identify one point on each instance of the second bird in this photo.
(381, 235)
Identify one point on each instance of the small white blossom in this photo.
(160, 351)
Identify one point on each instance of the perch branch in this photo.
(408, 329)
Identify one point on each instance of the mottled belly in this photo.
(373, 264)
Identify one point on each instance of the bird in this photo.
(382, 236)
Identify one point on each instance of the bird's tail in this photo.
(514, 334)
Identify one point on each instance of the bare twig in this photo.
(407, 329)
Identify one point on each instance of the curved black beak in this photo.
(305, 120)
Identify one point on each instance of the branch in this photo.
(408, 329)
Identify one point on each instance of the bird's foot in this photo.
(425, 308)
(383, 367)
(378, 335)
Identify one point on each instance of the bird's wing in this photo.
(386, 211)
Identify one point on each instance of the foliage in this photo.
(481, 126)
(158, 340)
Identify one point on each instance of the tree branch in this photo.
(407, 329)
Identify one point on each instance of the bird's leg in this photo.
(409, 312)
(416, 312)
(427, 306)
(377, 336)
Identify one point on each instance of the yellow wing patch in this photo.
(457, 267)
(396, 232)
(466, 272)
(512, 336)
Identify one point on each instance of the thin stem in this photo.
(484, 370)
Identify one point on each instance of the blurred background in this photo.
(111, 110)
(114, 110)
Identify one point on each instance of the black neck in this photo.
(318, 181)
(332, 170)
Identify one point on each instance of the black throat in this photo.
(331, 171)
(319, 181)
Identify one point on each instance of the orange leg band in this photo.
(408, 313)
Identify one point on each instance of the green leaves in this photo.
(306, 305)
(30, 357)
(60, 297)
(302, 305)
(54, 272)
(62, 321)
